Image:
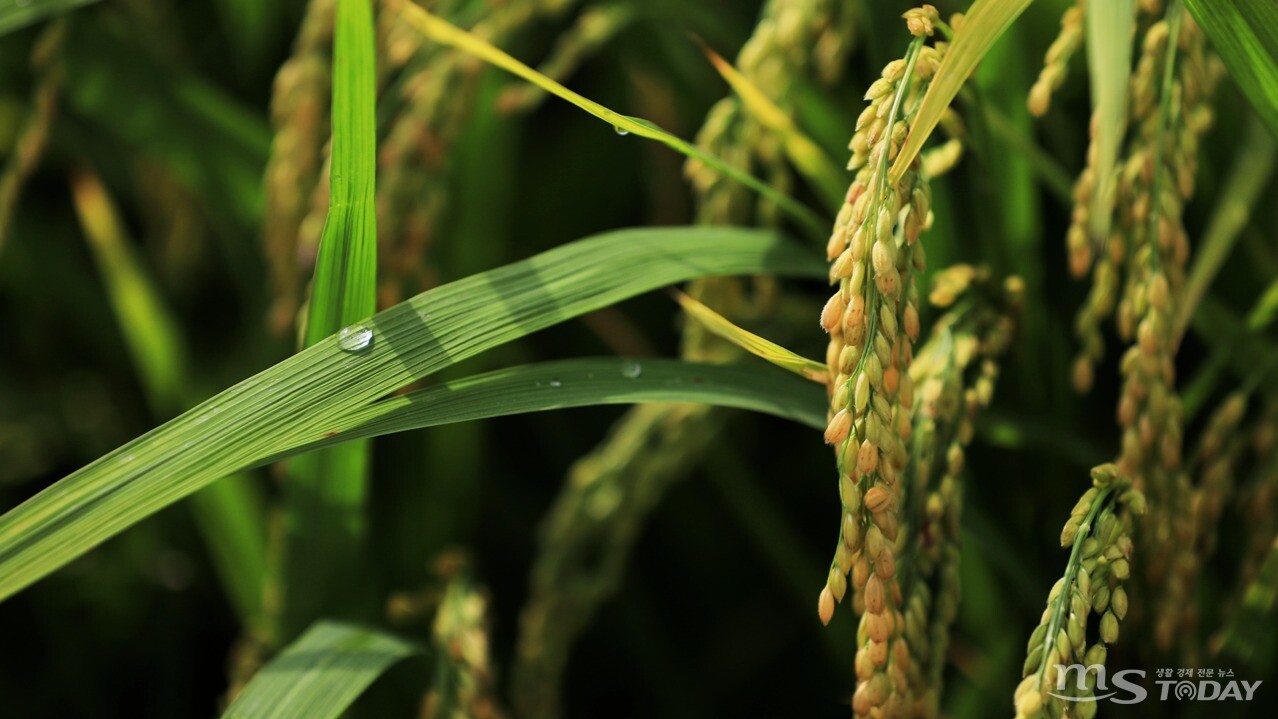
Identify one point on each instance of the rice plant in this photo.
(481, 344)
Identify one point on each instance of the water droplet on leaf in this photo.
(354, 338)
(631, 370)
(555, 382)
(620, 130)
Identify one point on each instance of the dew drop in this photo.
(354, 338)
(631, 370)
(620, 130)
(554, 382)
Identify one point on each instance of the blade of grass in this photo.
(1266, 309)
(324, 515)
(1109, 63)
(447, 34)
(321, 674)
(581, 383)
(752, 343)
(985, 22)
(230, 515)
(827, 178)
(150, 331)
(15, 15)
(345, 271)
(1245, 33)
(299, 399)
(1248, 178)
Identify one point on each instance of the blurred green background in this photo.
(168, 102)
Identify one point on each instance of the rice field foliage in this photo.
(470, 359)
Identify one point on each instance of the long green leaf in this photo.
(15, 14)
(150, 331)
(299, 399)
(985, 22)
(230, 514)
(1245, 34)
(581, 383)
(443, 32)
(1109, 64)
(321, 674)
(1247, 180)
(346, 269)
(1266, 309)
(326, 494)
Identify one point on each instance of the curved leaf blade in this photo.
(445, 33)
(301, 397)
(985, 22)
(1245, 33)
(826, 177)
(760, 347)
(325, 498)
(1109, 65)
(581, 383)
(230, 515)
(321, 674)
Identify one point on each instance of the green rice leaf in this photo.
(324, 522)
(300, 399)
(346, 269)
(150, 331)
(15, 15)
(985, 22)
(1245, 33)
(231, 514)
(445, 33)
(1109, 64)
(321, 674)
(1247, 179)
(1266, 309)
(581, 383)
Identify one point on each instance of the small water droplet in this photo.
(620, 130)
(631, 370)
(354, 338)
(555, 382)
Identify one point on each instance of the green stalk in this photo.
(1165, 112)
(322, 562)
(872, 290)
(1060, 605)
